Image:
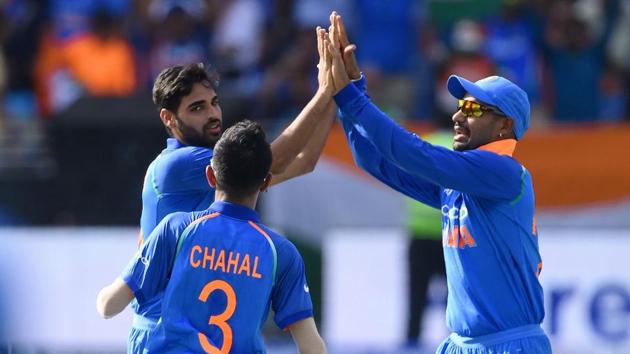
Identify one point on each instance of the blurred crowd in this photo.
(571, 56)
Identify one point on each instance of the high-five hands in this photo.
(324, 74)
(337, 63)
(347, 49)
(338, 69)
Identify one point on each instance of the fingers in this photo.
(331, 28)
(334, 30)
(320, 44)
(328, 51)
(335, 54)
(349, 50)
(341, 29)
(326, 56)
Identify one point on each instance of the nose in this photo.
(458, 116)
(215, 111)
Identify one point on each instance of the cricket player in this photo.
(220, 270)
(486, 197)
(189, 107)
(176, 180)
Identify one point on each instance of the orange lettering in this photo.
(233, 262)
(452, 240)
(220, 261)
(193, 263)
(255, 274)
(207, 257)
(245, 266)
(219, 320)
(534, 227)
(466, 238)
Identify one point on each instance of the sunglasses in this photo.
(476, 109)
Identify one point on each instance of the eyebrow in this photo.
(198, 102)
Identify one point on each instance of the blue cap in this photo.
(499, 92)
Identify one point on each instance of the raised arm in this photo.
(306, 160)
(481, 173)
(364, 153)
(295, 138)
(370, 160)
(476, 172)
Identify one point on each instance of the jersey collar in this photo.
(235, 211)
(172, 143)
(501, 147)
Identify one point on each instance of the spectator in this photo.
(576, 61)
(102, 61)
(465, 60)
(612, 106)
(430, 55)
(237, 44)
(386, 35)
(180, 37)
(619, 52)
(511, 45)
(287, 85)
(65, 70)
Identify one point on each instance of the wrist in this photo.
(343, 84)
(323, 93)
(356, 77)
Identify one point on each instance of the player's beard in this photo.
(464, 141)
(193, 137)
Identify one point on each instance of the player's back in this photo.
(220, 287)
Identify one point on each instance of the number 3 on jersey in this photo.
(220, 319)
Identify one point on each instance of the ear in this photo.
(266, 183)
(506, 128)
(167, 118)
(212, 179)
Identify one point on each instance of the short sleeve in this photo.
(291, 299)
(148, 271)
(184, 170)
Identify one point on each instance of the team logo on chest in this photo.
(455, 233)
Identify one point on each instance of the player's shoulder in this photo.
(183, 155)
(179, 220)
(502, 161)
(193, 150)
(282, 244)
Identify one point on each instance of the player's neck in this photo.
(249, 202)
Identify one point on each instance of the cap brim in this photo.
(459, 87)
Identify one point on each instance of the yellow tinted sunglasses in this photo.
(476, 109)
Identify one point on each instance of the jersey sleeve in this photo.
(476, 172)
(184, 170)
(290, 298)
(370, 160)
(148, 271)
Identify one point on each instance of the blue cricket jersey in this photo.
(219, 271)
(487, 203)
(175, 181)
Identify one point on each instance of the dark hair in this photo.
(175, 82)
(242, 159)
